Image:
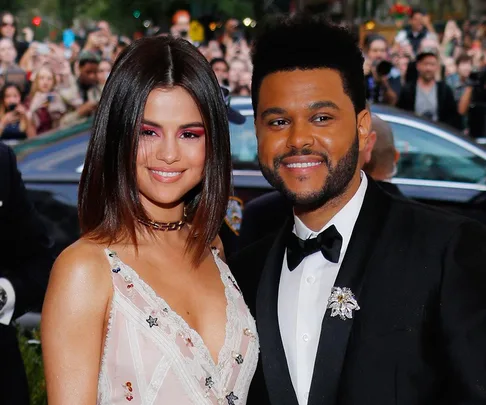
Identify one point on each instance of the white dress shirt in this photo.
(304, 292)
(7, 311)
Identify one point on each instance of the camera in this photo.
(237, 36)
(477, 109)
(383, 67)
(11, 107)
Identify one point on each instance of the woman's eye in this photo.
(189, 135)
(148, 132)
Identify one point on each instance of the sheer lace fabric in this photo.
(151, 355)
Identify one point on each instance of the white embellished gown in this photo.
(152, 357)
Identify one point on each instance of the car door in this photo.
(438, 167)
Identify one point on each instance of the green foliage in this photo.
(32, 356)
(120, 12)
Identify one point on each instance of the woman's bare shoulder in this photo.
(83, 259)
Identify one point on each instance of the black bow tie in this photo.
(329, 242)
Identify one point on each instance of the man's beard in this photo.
(334, 185)
(427, 78)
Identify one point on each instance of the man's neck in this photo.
(316, 219)
(425, 84)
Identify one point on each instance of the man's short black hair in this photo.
(305, 42)
(417, 10)
(218, 60)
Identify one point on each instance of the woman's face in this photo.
(237, 69)
(7, 28)
(172, 149)
(464, 69)
(8, 53)
(104, 69)
(12, 96)
(45, 80)
(403, 65)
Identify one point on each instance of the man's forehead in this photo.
(302, 88)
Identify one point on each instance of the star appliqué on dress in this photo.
(209, 382)
(152, 321)
(231, 398)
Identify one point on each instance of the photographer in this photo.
(181, 24)
(233, 42)
(14, 121)
(381, 87)
(46, 106)
(428, 97)
(459, 82)
(473, 102)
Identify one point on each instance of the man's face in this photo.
(427, 68)
(309, 136)
(417, 22)
(378, 50)
(88, 74)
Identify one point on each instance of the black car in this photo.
(437, 166)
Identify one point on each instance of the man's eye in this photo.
(322, 118)
(278, 123)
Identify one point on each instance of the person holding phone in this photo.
(14, 120)
(46, 105)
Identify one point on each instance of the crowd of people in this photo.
(47, 85)
(354, 294)
(438, 75)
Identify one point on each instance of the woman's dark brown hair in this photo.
(109, 202)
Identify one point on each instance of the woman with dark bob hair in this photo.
(142, 308)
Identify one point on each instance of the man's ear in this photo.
(397, 156)
(363, 123)
(370, 144)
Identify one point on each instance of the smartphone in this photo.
(68, 38)
(43, 49)
(50, 98)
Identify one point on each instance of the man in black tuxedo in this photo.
(361, 297)
(25, 263)
(265, 214)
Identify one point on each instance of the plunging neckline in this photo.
(196, 338)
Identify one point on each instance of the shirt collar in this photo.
(344, 220)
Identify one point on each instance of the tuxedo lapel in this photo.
(275, 367)
(335, 331)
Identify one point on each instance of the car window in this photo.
(426, 156)
(244, 145)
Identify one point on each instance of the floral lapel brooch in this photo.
(342, 302)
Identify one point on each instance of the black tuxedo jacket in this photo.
(265, 215)
(419, 276)
(25, 260)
